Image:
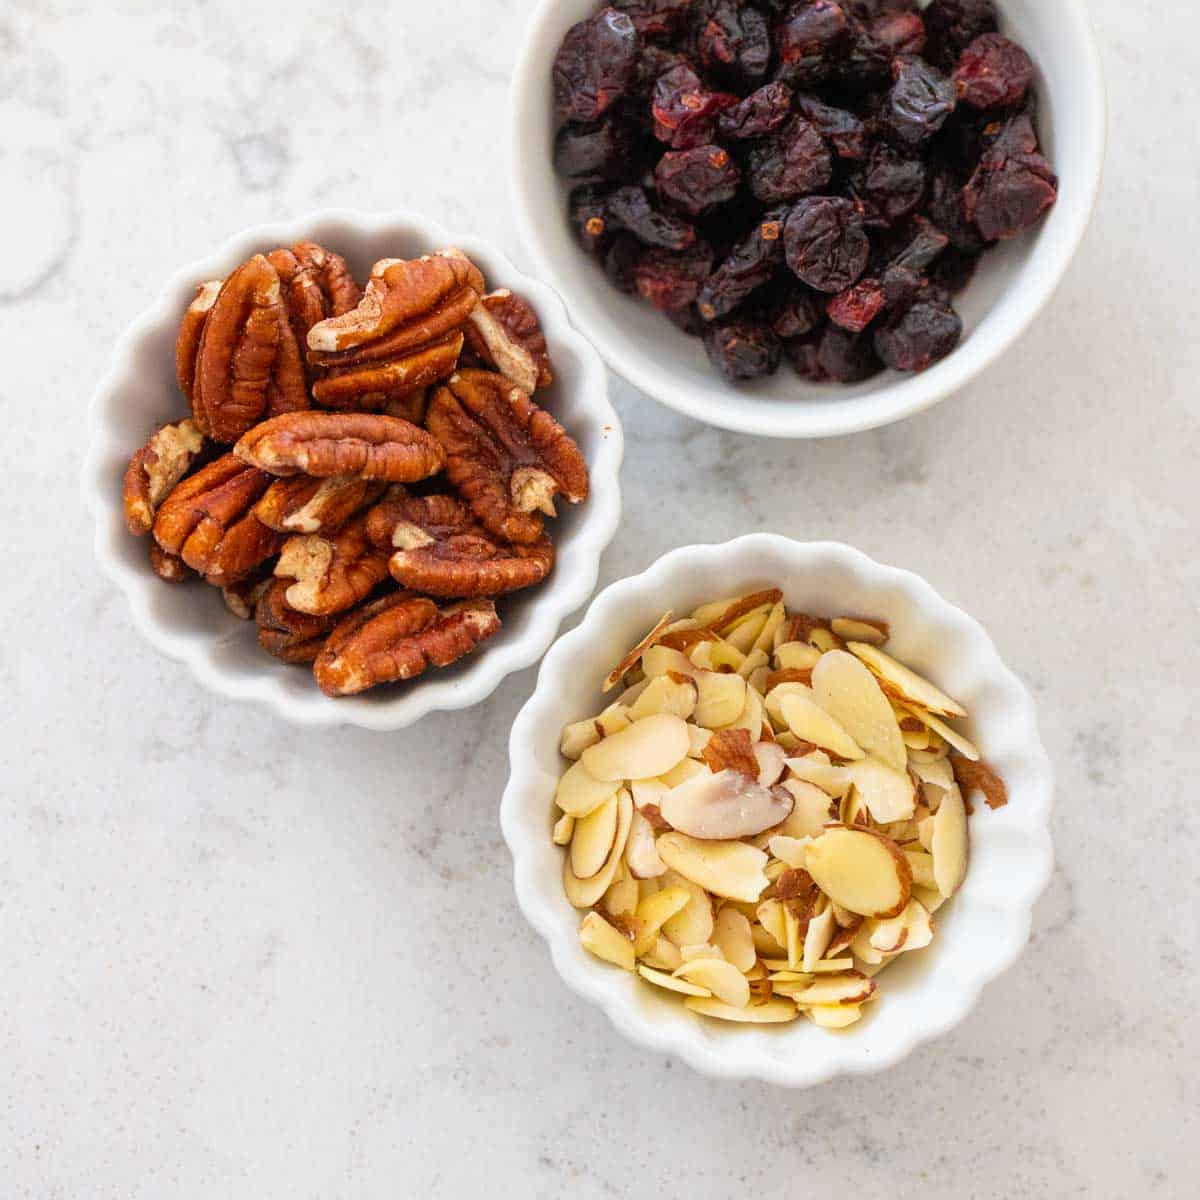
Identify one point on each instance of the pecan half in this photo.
(316, 284)
(507, 457)
(397, 638)
(187, 344)
(504, 334)
(242, 598)
(442, 550)
(292, 636)
(410, 408)
(331, 572)
(208, 521)
(169, 567)
(304, 504)
(404, 334)
(155, 469)
(367, 445)
(248, 362)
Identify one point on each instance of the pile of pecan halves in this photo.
(363, 471)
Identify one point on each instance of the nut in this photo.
(208, 521)
(169, 567)
(304, 504)
(316, 284)
(155, 469)
(284, 632)
(504, 334)
(191, 329)
(442, 550)
(242, 598)
(247, 362)
(366, 445)
(397, 638)
(404, 334)
(507, 457)
(331, 572)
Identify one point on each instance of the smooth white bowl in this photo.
(190, 622)
(980, 932)
(1012, 285)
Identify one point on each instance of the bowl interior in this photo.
(192, 621)
(1012, 282)
(979, 932)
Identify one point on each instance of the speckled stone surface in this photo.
(239, 960)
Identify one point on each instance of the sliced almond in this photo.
(722, 656)
(775, 697)
(593, 839)
(756, 660)
(817, 937)
(689, 768)
(773, 1012)
(816, 769)
(647, 748)
(663, 694)
(641, 854)
(564, 827)
(930, 899)
(579, 792)
(810, 813)
(722, 613)
(621, 899)
(598, 937)
(722, 698)
(825, 640)
(796, 656)
(614, 719)
(700, 950)
(848, 988)
(721, 978)
(731, 869)
(859, 629)
(899, 680)
(663, 956)
(693, 923)
(920, 864)
(789, 850)
(764, 943)
(583, 893)
(960, 742)
(837, 1016)
(849, 693)
(751, 717)
(949, 845)
(724, 806)
(859, 870)
(662, 660)
(577, 737)
(743, 633)
(772, 762)
(860, 944)
(889, 795)
(698, 741)
(811, 723)
(670, 983)
(731, 933)
(890, 936)
(773, 624)
(973, 775)
(831, 966)
(654, 911)
(634, 656)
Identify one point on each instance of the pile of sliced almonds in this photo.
(769, 814)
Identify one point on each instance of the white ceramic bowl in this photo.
(191, 623)
(980, 932)
(1010, 288)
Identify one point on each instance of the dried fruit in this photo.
(1013, 185)
(595, 66)
(922, 335)
(825, 243)
(507, 457)
(629, 209)
(993, 72)
(920, 101)
(685, 114)
(672, 281)
(698, 180)
(758, 114)
(155, 469)
(397, 638)
(751, 263)
(743, 349)
(793, 161)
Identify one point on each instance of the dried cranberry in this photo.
(893, 183)
(919, 337)
(804, 354)
(795, 311)
(899, 32)
(920, 100)
(685, 114)
(588, 209)
(672, 280)
(810, 41)
(953, 25)
(655, 18)
(825, 243)
(688, 320)
(953, 271)
(750, 264)
(927, 243)
(743, 349)
(760, 112)
(992, 72)
(732, 40)
(629, 208)
(653, 63)
(948, 212)
(620, 263)
(845, 131)
(1012, 186)
(856, 307)
(697, 180)
(595, 66)
(601, 150)
(846, 357)
(902, 285)
(795, 161)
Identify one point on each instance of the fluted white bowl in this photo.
(1010, 288)
(190, 622)
(980, 932)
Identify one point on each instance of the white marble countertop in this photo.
(242, 960)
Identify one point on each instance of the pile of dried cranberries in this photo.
(813, 179)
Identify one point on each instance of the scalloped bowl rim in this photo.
(560, 596)
(758, 1054)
